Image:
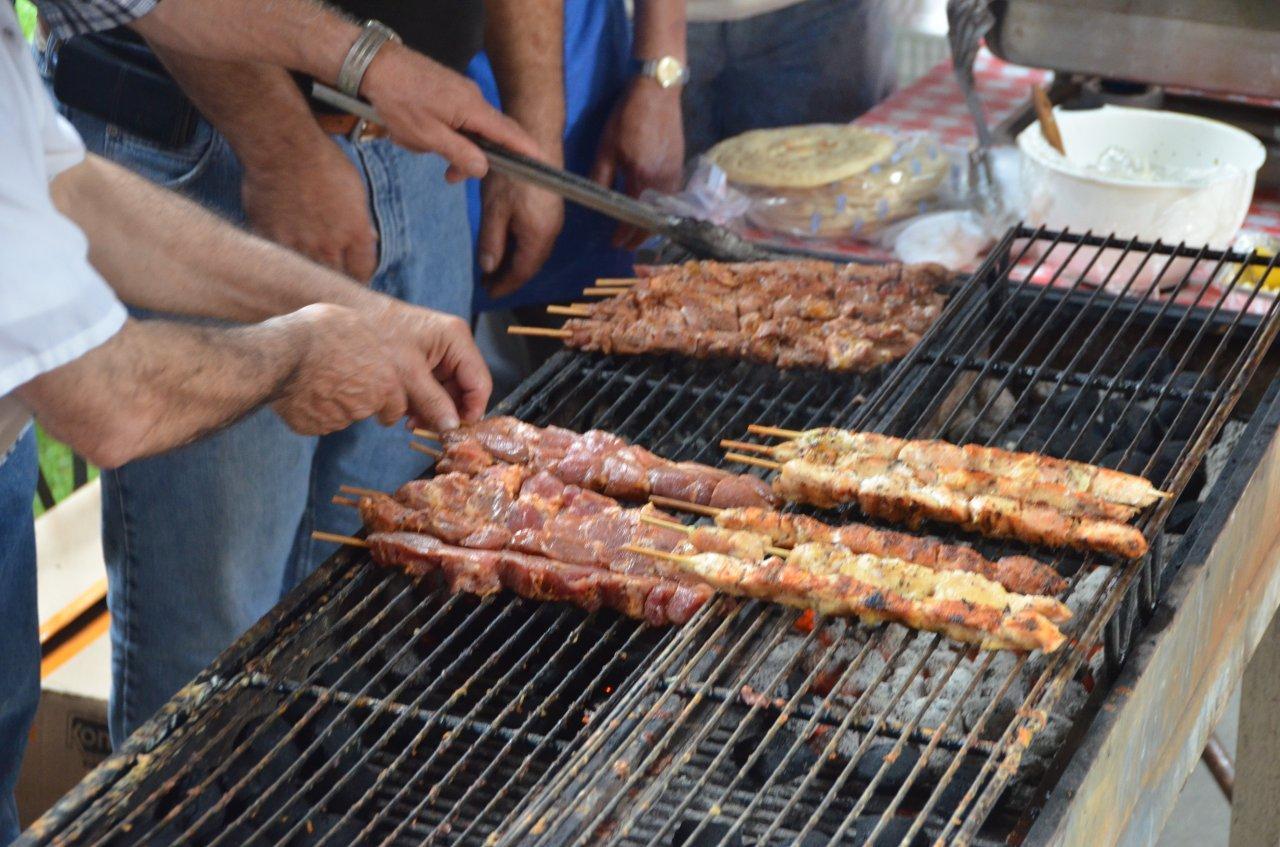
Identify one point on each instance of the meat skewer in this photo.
(597, 461)
(485, 572)
(788, 313)
(913, 581)
(794, 582)
(1081, 478)
(1021, 574)
(901, 498)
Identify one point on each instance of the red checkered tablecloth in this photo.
(935, 104)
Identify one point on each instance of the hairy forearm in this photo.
(525, 43)
(158, 384)
(304, 35)
(659, 29)
(162, 252)
(257, 107)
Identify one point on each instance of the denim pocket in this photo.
(169, 165)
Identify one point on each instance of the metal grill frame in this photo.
(643, 383)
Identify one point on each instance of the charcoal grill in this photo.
(373, 708)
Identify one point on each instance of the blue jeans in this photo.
(202, 541)
(19, 641)
(817, 61)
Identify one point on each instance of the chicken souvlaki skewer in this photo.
(891, 479)
(1090, 485)
(1021, 574)
(870, 589)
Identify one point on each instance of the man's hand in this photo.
(518, 228)
(439, 365)
(428, 108)
(314, 202)
(344, 373)
(643, 145)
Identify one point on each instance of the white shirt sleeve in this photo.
(54, 307)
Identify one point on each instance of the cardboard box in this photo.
(69, 736)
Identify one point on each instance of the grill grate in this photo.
(377, 709)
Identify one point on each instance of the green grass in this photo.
(26, 17)
(55, 464)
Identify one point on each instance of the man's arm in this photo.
(425, 106)
(299, 189)
(157, 384)
(162, 252)
(643, 143)
(519, 223)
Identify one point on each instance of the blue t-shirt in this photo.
(597, 51)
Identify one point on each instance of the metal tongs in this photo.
(702, 238)
(968, 22)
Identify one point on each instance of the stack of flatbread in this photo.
(830, 180)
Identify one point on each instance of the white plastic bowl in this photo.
(1205, 203)
(1205, 207)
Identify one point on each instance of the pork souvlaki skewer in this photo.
(595, 460)
(840, 594)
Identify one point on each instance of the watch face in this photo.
(668, 71)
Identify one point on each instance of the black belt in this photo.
(119, 80)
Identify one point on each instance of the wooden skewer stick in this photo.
(339, 500)
(685, 506)
(650, 519)
(539, 331)
(752, 460)
(657, 554)
(339, 539)
(687, 530)
(429, 434)
(600, 292)
(750, 447)
(776, 432)
(615, 283)
(359, 492)
(570, 311)
(422, 448)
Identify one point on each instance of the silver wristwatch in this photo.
(667, 71)
(373, 37)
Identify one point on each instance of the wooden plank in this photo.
(52, 625)
(67, 649)
(1255, 811)
(1123, 780)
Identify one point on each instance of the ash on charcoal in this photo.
(1215, 460)
(966, 417)
(899, 768)
(712, 834)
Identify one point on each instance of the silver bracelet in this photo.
(373, 37)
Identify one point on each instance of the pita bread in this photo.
(800, 156)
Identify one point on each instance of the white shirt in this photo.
(54, 307)
(708, 11)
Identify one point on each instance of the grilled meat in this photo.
(790, 314)
(544, 517)
(484, 572)
(897, 495)
(868, 590)
(1021, 574)
(598, 461)
(1075, 487)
